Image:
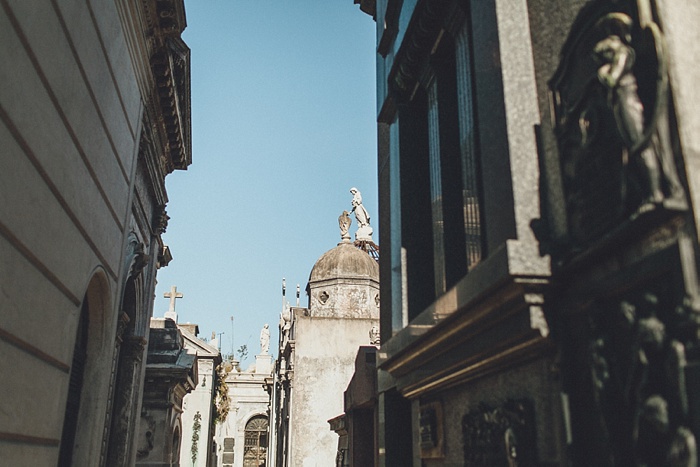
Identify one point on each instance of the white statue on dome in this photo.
(364, 231)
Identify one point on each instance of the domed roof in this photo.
(345, 261)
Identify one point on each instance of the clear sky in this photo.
(283, 125)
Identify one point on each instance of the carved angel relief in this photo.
(611, 118)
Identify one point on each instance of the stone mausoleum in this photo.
(241, 439)
(318, 345)
(539, 185)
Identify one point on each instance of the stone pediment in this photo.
(198, 346)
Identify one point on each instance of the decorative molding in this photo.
(160, 220)
(413, 57)
(136, 257)
(470, 342)
(134, 347)
(503, 435)
(122, 324)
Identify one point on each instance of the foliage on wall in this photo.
(196, 427)
(221, 390)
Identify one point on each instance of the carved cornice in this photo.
(160, 220)
(412, 59)
(466, 341)
(170, 64)
(171, 69)
(151, 152)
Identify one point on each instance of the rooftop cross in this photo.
(172, 295)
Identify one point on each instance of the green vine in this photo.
(221, 388)
(196, 427)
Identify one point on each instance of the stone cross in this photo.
(172, 295)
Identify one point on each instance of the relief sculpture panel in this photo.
(610, 103)
(631, 368)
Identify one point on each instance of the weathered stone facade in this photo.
(318, 345)
(242, 438)
(94, 113)
(171, 373)
(199, 406)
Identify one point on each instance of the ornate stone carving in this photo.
(160, 220)
(134, 348)
(503, 435)
(374, 338)
(638, 366)
(170, 63)
(140, 260)
(344, 222)
(610, 102)
(122, 324)
(415, 52)
(136, 256)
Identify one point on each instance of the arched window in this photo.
(255, 447)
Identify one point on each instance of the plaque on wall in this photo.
(610, 107)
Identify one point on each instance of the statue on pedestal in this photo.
(344, 222)
(265, 339)
(364, 231)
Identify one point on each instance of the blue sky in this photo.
(283, 125)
